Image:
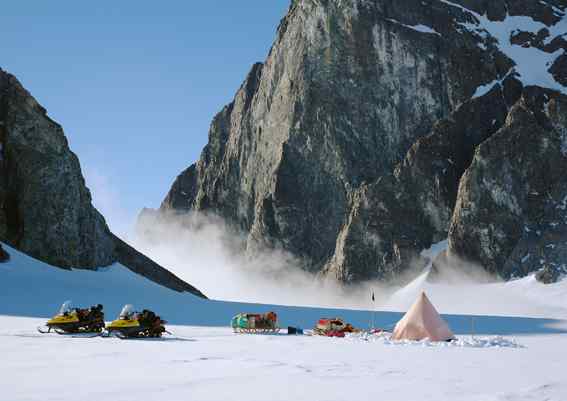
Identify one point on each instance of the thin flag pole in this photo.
(374, 320)
(372, 312)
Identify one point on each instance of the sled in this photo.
(335, 327)
(253, 323)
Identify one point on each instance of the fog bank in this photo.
(202, 250)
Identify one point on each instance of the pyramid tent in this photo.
(422, 321)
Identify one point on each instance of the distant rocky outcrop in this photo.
(45, 206)
(378, 127)
(549, 274)
(4, 256)
(509, 214)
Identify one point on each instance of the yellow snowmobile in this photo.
(131, 324)
(71, 320)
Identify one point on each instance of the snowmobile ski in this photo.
(122, 336)
(44, 329)
(86, 334)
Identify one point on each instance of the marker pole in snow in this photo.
(472, 327)
(373, 311)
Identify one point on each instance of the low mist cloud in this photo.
(206, 252)
(202, 250)
(463, 287)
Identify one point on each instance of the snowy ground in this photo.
(204, 360)
(215, 364)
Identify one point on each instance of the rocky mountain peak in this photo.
(39, 169)
(45, 207)
(352, 144)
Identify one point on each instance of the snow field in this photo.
(215, 364)
(212, 363)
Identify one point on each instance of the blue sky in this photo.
(135, 84)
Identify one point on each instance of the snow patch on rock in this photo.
(556, 10)
(532, 64)
(418, 28)
(432, 252)
(563, 137)
(484, 89)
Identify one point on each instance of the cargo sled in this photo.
(334, 327)
(252, 323)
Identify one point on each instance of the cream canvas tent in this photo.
(422, 321)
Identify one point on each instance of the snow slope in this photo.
(35, 289)
(474, 292)
(524, 297)
(204, 360)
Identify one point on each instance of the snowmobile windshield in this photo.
(67, 307)
(127, 311)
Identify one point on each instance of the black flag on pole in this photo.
(372, 296)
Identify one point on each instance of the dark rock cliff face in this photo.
(4, 256)
(347, 146)
(394, 218)
(510, 214)
(45, 207)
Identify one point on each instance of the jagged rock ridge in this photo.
(347, 146)
(45, 207)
